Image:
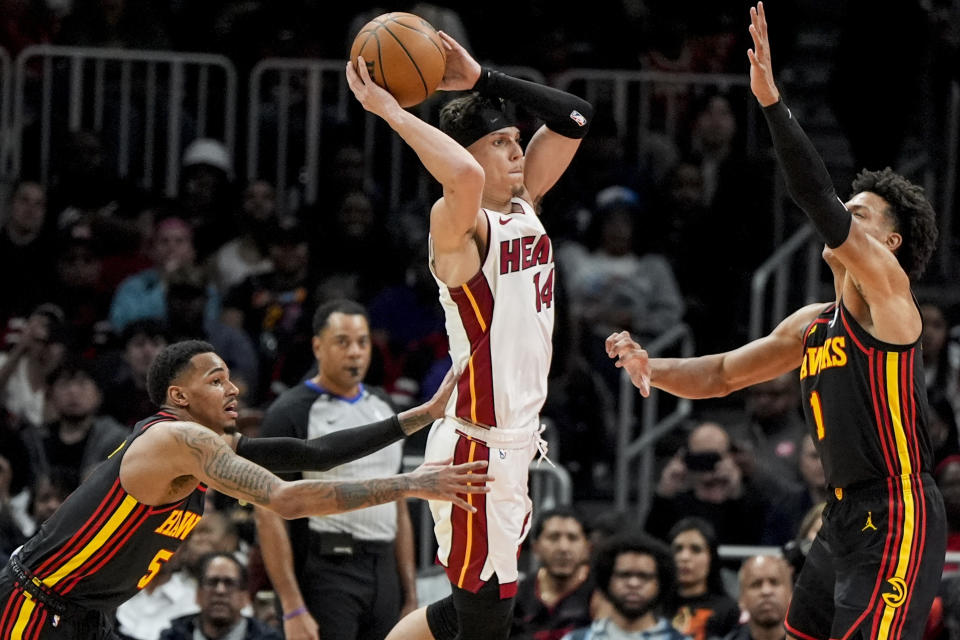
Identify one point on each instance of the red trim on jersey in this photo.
(853, 336)
(37, 618)
(798, 633)
(201, 488)
(875, 392)
(86, 531)
(15, 600)
(99, 558)
(468, 545)
(920, 540)
(167, 418)
(910, 409)
(888, 562)
(475, 302)
(508, 590)
(812, 326)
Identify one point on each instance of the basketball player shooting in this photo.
(493, 263)
(861, 374)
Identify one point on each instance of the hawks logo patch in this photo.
(899, 594)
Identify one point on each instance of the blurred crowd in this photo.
(99, 275)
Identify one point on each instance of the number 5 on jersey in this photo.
(162, 556)
(543, 292)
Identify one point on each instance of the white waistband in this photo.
(506, 438)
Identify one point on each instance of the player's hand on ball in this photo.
(372, 96)
(632, 357)
(462, 71)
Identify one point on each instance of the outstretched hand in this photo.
(632, 357)
(443, 481)
(761, 70)
(372, 96)
(462, 71)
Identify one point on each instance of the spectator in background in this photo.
(788, 511)
(274, 308)
(341, 254)
(947, 475)
(80, 437)
(556, 599)
(206, 193)
(635, 573)
(79, 289)
(221, 596)
(188, 297)
(795, 551)
(248, 254)
(618, 287)
(39, 349)
(11, 534)
(942, 427)
(767, 443)
(173, 591)
(24, 23)
(144, 294)
(941, 374)
(703, 609)
(766, 585)
(703, 480)
(26, 247)
(125, 375)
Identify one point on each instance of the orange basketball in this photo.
(404, 55)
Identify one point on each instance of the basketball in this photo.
(404, 55)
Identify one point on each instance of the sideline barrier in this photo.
(146, 107)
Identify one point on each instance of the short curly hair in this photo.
(912, 214)
(169, 364)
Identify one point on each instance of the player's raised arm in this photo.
(446, 160)
(199, 452)
(566, 117)
(719, 374)
(872, 264)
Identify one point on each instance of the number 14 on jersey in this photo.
(543, 290)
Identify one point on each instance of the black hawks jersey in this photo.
(865, 401)
(102, 545)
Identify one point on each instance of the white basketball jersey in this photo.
(500, 324)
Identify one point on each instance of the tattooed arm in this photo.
(211, 460)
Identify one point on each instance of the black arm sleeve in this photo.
(806, 176)
(562, 112)
(283, 454)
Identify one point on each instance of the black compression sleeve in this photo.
(562, 112)
(806, 176)
(282, 455)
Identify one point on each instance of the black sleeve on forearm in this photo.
(806, 176)
(281, 454)
(562, 112)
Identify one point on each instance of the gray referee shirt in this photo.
(309, 411)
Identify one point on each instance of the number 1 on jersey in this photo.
(817, 413)
(544, 293)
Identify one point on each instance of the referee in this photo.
(344, 576)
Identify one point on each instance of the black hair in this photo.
(63, 480)
(556, 512)
(341, 305)
(213, 555)
(71, 368)
(169, 364)
(469, 117)
(148, 327)
(636, 542)
(704, 528)
(913, 216)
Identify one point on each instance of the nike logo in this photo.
(505, 220)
